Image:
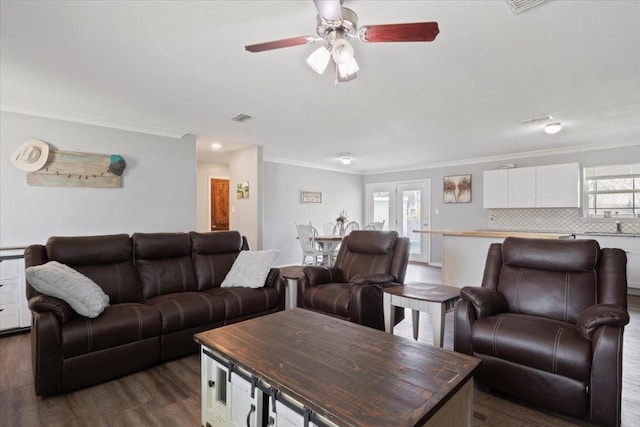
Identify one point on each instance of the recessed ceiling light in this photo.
(552, 128)
(216, 145)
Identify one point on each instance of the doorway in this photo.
(404, 207)
(219, 204)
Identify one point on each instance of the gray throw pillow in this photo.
(250, 269)
(61, 281)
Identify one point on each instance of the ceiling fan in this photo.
(336, 26)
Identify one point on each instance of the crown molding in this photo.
(286, 161)
(513, 156)
(463, 162)
(12, 107)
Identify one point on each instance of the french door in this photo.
(404, 207)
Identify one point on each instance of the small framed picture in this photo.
(311, 197)
(242, 190)
(457, 189)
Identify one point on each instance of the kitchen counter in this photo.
(464, 252)
(498, 234)
(599, 233)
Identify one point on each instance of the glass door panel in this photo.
(381, 204)
(403, 207)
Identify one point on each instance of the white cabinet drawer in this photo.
(9, 316)
(9, 291)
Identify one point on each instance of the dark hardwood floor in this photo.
(169, 394)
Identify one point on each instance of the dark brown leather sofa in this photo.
(162, 288)
(548, 324)
(351, 290)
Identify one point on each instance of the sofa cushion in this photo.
(107, 260)
(548, 345)
(250, 269)
(213, 256)
(548, 254)
(163, 263)
(187, 310)
(118, 325)
(61, 281)
(241, 302)
(329, 298)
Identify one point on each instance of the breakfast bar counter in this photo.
(464, 252)
(498, 234)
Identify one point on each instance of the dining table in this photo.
(328, 245)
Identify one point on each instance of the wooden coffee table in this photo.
(298, 367)
(435, 299)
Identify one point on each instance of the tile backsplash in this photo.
(556, 220)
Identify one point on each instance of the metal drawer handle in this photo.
(251, 411)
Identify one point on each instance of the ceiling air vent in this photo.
(518, 6)
(241, 117)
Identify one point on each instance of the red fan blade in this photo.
(277, 44)
(414, 32)
(330, 10)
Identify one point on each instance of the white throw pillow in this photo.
(250, 269)
(61, 281)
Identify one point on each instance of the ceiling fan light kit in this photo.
(336, 25)
(319, 59)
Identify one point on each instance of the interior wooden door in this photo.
(219, 204)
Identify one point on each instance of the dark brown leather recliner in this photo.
(351, 290)
(548, 323)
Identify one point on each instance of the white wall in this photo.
(206, 171)
(282, 206)
(158, 192)
(245, 214)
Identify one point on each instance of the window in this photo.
(612, 191)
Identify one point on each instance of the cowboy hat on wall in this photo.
(31, 156)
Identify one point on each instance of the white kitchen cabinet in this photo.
(495, 188)
(14, 311)
(631, 245)
(552, 186)
(509, 188)
(522, 187)
(558, 186)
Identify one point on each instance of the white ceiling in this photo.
(176, 67)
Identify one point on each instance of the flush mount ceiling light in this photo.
(216, 145)
(345, 158)
(552, 128)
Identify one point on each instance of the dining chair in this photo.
(329, 228)
(306, 236)
(351, 226)
(376, 225)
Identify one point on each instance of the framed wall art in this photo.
(457, 189)
(242, 190)
(311, 197)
